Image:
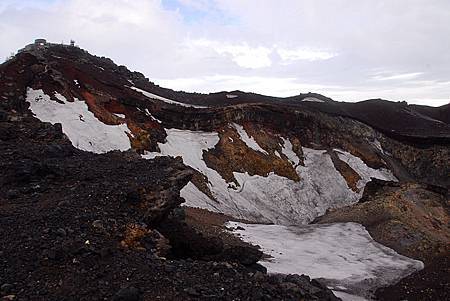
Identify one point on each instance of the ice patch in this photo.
(344, 255)
(249, 141)
(80, 125)
(166, 100)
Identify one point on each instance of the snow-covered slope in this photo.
(80, 125)
(273, 198)
(344, 255)
(166, 100)
(312, 99)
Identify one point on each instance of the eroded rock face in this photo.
(408, 217)
(231, 154)
(427, 163)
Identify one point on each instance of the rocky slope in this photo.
(408, 217)
(81, 226)
(255, 158)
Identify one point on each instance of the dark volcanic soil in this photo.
(430, 284)
(80, 226)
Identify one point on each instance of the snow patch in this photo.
(344, 255)
(166, 100)
(288, 151)
(364, 171)
(80, 125)
(231, 96)
(147, 112)
(348, 297)
(189, 145)
(119, 115)
(378, 146)
(312, 99)
(249, 141)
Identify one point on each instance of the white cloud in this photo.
(278, 48)
(202, 5)
(304, 54)
(242, 54)
(402, 76)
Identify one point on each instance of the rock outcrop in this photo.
(412, 219)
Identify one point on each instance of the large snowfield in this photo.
(343, 255)
(80, 125)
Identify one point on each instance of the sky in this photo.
(349, 50)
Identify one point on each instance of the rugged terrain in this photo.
(87, 186)
(82, 226)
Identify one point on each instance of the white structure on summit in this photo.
(41, 44)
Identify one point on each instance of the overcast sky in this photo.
(349, 50)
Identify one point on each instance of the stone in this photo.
(128, 294)
(97, 224)
(169, 268)
(6, 288)
(61, 232)
(192, 292)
